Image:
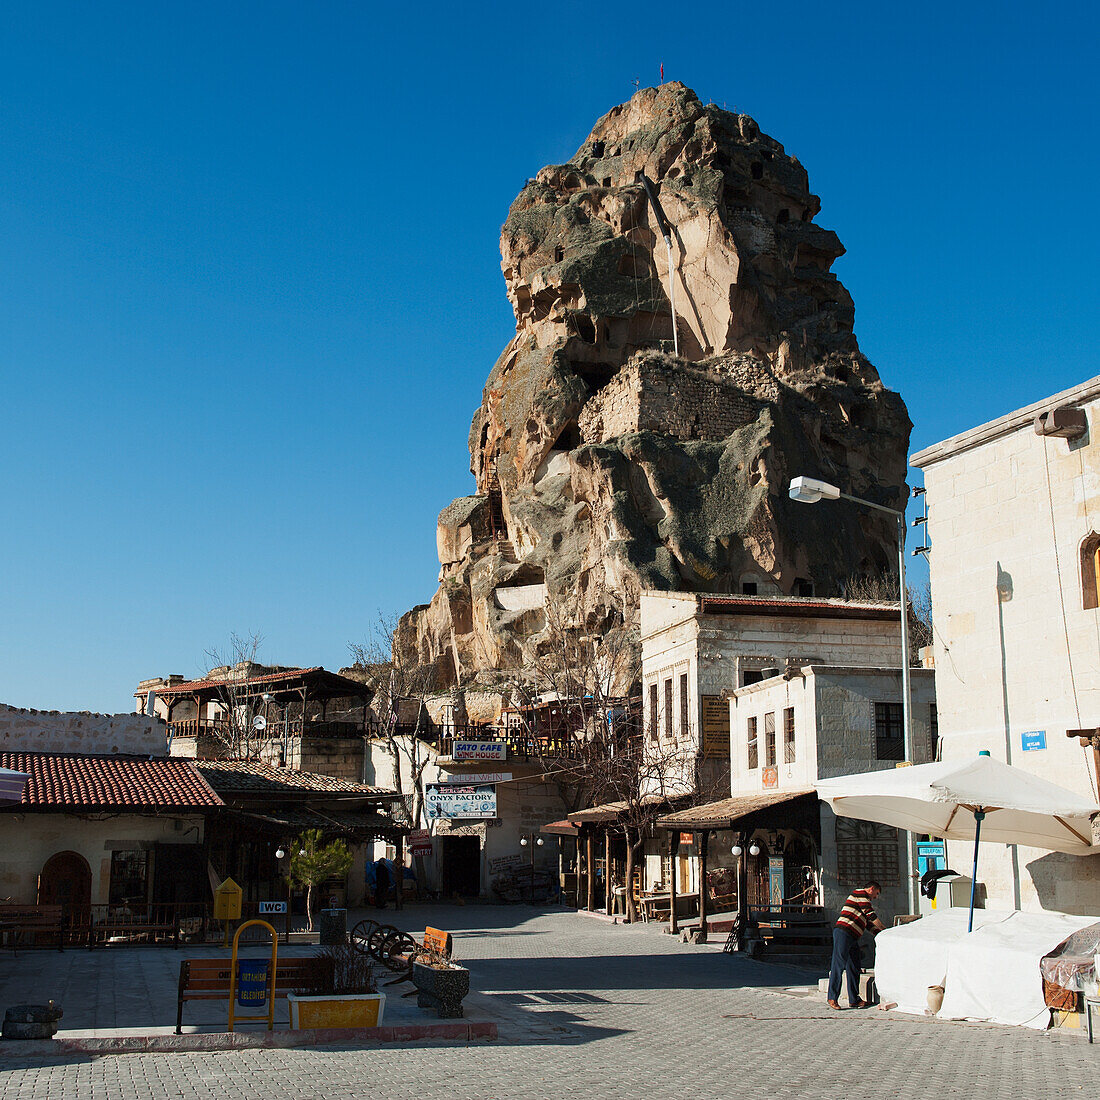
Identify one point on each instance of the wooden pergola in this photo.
(744, 815)
(284, 687)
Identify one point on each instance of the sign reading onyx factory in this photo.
(449, 801)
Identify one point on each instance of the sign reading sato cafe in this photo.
(479, 750)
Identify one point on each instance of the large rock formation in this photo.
(604, 464)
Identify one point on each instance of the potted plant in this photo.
(441, 984)
(349, 999)
(312, 861)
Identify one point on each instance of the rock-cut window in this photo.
(1090, 572)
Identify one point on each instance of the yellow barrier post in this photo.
(269, 985)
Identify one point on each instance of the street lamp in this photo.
(809, 490)
(524, 842)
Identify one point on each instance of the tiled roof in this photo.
(72, 781)
(247, 777)
(318, 681)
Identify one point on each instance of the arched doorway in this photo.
(65, 880)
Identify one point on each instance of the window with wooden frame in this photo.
(653, 712)
(668, 709)
(889, 734)
(788, 735)
(769, 739)
(1090, 572)
(685, 708)
(754, 745)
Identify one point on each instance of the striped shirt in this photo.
(858, 912)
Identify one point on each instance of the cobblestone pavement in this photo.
(591, 1010)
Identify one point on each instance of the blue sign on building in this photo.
(1035, 739)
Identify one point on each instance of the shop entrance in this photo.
(461, 870)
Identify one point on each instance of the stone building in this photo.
(706, 662)
(696, 648)
(105, 830)
(812, 723)
(1014, 525)
(305, 719)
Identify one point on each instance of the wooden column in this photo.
(673, 871)
(607, 870)
(589, 877)
(704, 841)
(742, 888)
(399, 869)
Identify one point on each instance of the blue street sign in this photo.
(1035, 739)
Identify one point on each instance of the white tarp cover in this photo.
(990, 974)
(934, 798)
(911, 957)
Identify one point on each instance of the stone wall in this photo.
(61, 731)
(655, 394)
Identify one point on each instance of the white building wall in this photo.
(28, 840)
(1016, 651)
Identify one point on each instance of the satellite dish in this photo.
(259, 722)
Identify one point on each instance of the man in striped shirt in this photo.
(855, 918)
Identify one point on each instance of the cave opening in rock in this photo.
(559, 254)
(594, 375)
(597, 148)
(757, 170)
(569, 439)
(585, 327)
(783, 217)
(803, 587)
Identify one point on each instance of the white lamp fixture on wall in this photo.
(754, 849)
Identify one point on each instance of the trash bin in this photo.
(334, 926)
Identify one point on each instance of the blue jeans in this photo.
(846, 960)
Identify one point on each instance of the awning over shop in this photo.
(561, 828)
(724, 814)
(598, 815)
(298, 819)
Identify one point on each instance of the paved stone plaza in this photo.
(587, 1009)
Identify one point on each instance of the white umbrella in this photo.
(1006, 804)
(11, 785)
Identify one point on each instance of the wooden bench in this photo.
(209, 979)
(35, 920)
(436, 943)
(793, 930)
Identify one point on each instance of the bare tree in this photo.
(884, 587)
(238, 727)
(399, 688)
(598, 754)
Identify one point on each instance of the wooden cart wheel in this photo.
(377, 938)
(396, 952)
(360, 935)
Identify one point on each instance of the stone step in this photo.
(867, 991)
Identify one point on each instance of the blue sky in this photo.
(250, 285)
